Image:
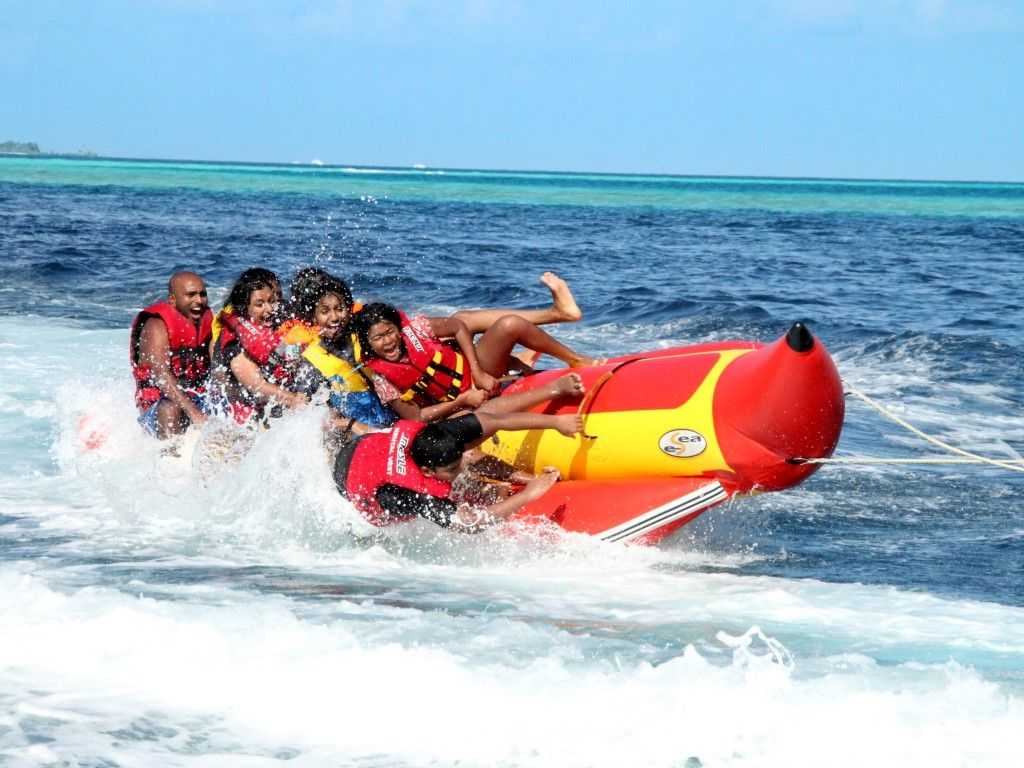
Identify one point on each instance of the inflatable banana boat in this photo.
(671, 433)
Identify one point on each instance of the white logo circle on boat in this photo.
(683, 443)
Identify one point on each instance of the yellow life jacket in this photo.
(339, 372)
(218, 326)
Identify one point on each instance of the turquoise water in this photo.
(535, 188)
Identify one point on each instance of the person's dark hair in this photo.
(435, 447)
(250, 281)
(368, 317)
(306, 279)
(311, 284)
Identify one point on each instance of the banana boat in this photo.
(671, 433)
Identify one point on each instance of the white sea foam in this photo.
(979, 417)
(154, 614)
(146, 680)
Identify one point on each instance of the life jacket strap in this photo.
(436, 366)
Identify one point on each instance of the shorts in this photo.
(364, 407)
(148, 417)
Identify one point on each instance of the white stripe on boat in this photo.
(704, 497)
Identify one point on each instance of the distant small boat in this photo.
(673, 432)
(419, 166)
(316, 161)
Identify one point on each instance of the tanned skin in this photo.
(187, 293)
(497, 415)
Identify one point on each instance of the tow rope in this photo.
(1016, 465)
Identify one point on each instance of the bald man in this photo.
(169, 350)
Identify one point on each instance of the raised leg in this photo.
(563, 309)
(494, 347)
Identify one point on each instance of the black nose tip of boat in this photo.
(800, 338)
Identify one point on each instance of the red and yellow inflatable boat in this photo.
(671, 433)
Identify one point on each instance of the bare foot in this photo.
(564, 302)
(570, 385)
(586, 362)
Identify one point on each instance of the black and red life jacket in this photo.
(189, 349)
(260, 345)
(382, 458)
(431, 372)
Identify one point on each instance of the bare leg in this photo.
(563, 309)
(569, 385)
(494, 347)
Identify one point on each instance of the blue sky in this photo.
(927, 89)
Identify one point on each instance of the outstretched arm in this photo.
(470, 519)
(250, 377)
(568, 424)
(473, 519)
(463, 518)
(406, 409)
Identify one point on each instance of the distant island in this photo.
(31, 148)
(19, 148)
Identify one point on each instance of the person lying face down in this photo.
(169, 353)
(422, 378)
(407, 471)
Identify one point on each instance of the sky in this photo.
(910, 89)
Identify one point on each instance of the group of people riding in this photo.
(409, 398)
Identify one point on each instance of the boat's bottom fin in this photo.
(627, 510)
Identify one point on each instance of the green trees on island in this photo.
(31, 148)
(19, 147)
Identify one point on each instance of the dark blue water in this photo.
(919, 308)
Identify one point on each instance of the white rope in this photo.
(969, 458)
(877, 460)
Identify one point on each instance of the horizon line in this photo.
(80, 155)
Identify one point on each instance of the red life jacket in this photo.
(261, 346)
(189, 347)
(382, 458)
(431, 372)
(258, 342)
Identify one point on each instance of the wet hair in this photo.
(309, 286)
(435, 446)
(368, 317)
(250, 281)
(306, 279)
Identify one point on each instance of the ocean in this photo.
(155, 615)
